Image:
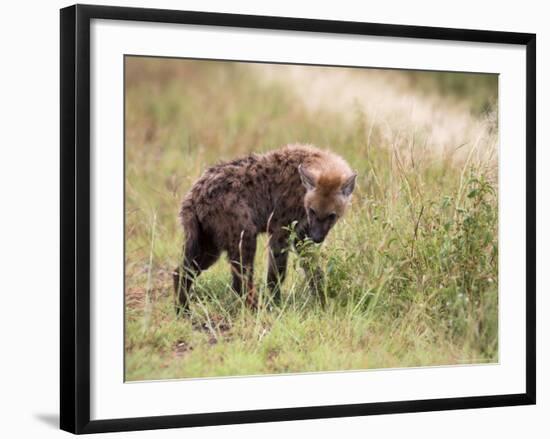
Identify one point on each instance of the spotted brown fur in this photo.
(233, 202)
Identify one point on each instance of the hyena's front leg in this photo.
(315, 277)
(277, 263)
(242, 268)
(310, 264)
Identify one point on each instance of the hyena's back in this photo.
(248, 195)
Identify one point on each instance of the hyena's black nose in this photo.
(317, 238)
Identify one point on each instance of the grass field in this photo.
(411, 270)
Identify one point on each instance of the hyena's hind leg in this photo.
(241, 258)
(199, 253)
(277, 263)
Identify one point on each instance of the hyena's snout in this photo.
(318, 231)
(317, 236)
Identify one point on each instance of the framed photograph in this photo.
(274, 218)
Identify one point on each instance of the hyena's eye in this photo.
(312, 212)
(331, 217)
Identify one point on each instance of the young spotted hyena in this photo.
(233, 202)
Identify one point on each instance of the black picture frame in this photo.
(75, 217)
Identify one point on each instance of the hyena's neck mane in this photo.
(329, 169)
(285, 191)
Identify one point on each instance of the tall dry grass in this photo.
(412, 270)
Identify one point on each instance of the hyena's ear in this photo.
(308, 179)
(349, 185)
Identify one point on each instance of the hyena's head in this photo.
(328, 193)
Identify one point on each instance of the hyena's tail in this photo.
(182, 274)
(191, 228)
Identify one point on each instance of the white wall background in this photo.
(29, 200)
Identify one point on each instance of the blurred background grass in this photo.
(478, 91)
(412, 270)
